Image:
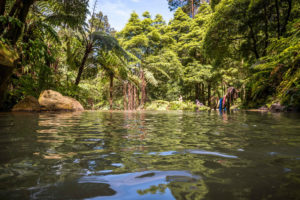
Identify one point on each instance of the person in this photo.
(221, 104)
(180, 98)
(198, 102)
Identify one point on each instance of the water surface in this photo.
(149, 155)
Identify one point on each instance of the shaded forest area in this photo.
(208, 47)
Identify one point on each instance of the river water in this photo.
(149, 155)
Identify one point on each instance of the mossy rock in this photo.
(54, 101)
(28, 104)
(8, 56)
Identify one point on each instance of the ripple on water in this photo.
(149, 155)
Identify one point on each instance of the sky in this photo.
(118, 11)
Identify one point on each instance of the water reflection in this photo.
(149, 155)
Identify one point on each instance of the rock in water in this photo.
(276, 107)
(29, 104)
(264, 108)
(54, 101)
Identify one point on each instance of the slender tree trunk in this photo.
(266, 29)
(143, 88)
(208, 94)
(132, 97)
(137, 97)
(125, 96)
(88, 50)
(254, 41)
(111, 85)
(197, 91)
(2, 6)
(2, 10)
(203, 93)
(13, 9)
(223, 89)
(129, 97)
(278, 19)
(136, 100)
(193, 11)
(244, 92)
(283, 30)
(11, 13)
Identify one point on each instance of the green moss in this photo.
(175, 105)
(7, 55)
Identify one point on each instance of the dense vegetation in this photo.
(209, 46)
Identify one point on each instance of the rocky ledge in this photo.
(49, 100)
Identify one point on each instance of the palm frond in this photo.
(150, 77)
(49, 30)
(59, 19)
(104, 41)
(159, 67)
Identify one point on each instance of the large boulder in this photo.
(277, 107)
(29, 104)
(54, 101)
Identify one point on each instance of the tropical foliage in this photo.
(208, 47)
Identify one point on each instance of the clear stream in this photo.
(149, 155)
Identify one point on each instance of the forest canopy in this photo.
(206, 48)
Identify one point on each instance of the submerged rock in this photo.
(29, 104)
(277, 107)
(54, 101)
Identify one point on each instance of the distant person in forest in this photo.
(197, 102)
(180, 98)
(220, 104)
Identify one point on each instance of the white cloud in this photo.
(136, 1)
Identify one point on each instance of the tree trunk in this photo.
(2, 7)
(137, 97)
(208, 94)
(283, 30)
(278, 19)
(244, 92)
(125, 96)
(266, 29)
(203, 93)
(252, 35)
(197, 93)
(111, 85)
(88, 50)
(129, 97)
(132, 97)
(5, 74)
(11, 13)
(143, 88)
(19, 11)
(193, 11)
(13, 9)
(2, 10)
(136, 101)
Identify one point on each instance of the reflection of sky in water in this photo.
(128, 184)
(201, 152)
(93, 155)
